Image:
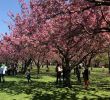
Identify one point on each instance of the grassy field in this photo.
(43, 87)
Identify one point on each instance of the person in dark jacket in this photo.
(86, 78)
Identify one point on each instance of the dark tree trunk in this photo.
(42, 65)
(6, 63)
(31, 64)
(22, 68)
(15, 67)
(38, 66)
(26, 65)
(109, 61)
(67, 72)
(78, 74)
(47, 65)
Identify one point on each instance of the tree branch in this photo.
(100, 2)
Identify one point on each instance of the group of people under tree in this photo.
(12, 70)
(60, 74)
(4, 70)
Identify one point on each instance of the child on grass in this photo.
(28, 75)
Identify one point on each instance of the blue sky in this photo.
(5, 6)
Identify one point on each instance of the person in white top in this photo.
(3, 70)
(58, 71)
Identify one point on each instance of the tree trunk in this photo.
(109, 61)
(42, 65)
(78, 74)
(66, 73)
(38, 67)
(26, 65)
(47, 65)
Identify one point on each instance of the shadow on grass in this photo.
(39, 90)
(47, 90)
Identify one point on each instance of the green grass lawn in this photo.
(43, 87)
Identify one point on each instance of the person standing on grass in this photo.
(4, 71)
(1, 72)
(86, 78)
(28, 75)
(58, 71)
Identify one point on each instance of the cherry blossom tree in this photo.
(72, 31)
